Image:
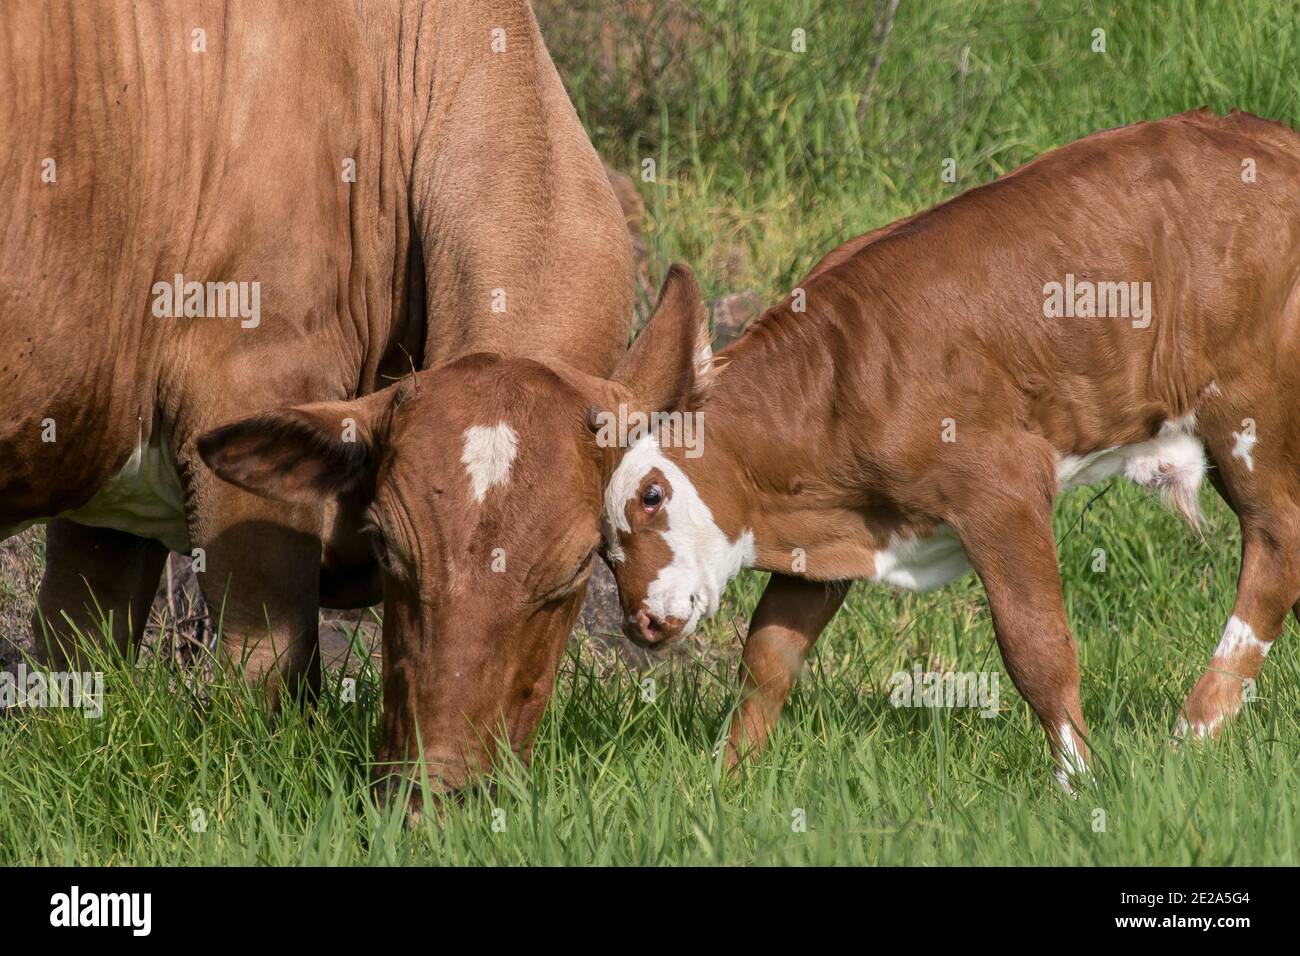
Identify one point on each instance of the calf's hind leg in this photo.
(1010, 544)
(789, 618)
(1267, 587)
(1256, 478)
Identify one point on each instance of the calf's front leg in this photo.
(789, 618)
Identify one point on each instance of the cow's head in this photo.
(482, 482)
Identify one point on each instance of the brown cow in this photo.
(214, 210)
(1123, 305)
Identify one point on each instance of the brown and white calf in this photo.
(947, 378)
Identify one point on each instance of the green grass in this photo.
(616, 779)
(762, 167)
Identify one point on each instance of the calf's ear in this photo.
(671, 361)
(305, 453)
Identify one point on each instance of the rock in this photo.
(732, 263)
(601, 614)
(732, 313)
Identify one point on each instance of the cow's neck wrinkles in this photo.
(513, 221)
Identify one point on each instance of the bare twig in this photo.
(884, 26)
(171, 597)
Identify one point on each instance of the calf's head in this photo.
(669, 552)
(671, 527)
(483, 483)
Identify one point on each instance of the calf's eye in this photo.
(652, 498)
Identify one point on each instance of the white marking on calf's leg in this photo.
(1199, 731)
(1071, 764)
(1238, 636)
(1220, 692)
(1244, 448)
(488, 454)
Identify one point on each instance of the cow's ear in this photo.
(671, 362)
(305, 453)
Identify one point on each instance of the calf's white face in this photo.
(669, 556)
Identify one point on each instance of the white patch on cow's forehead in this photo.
(625, 484)
(626, 480)
(489, 453)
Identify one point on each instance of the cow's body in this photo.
(933, 399)
(404, 185)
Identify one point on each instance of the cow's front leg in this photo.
(789, 618)
(260, 575)
(96, 580)
(1010, 544)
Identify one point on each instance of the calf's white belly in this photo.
(1172, 463)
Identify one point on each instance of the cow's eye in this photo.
(378, 546)
(652, 498)
(567, 588)
(584, 566)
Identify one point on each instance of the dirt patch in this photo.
(21, 559)
(180, 625)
